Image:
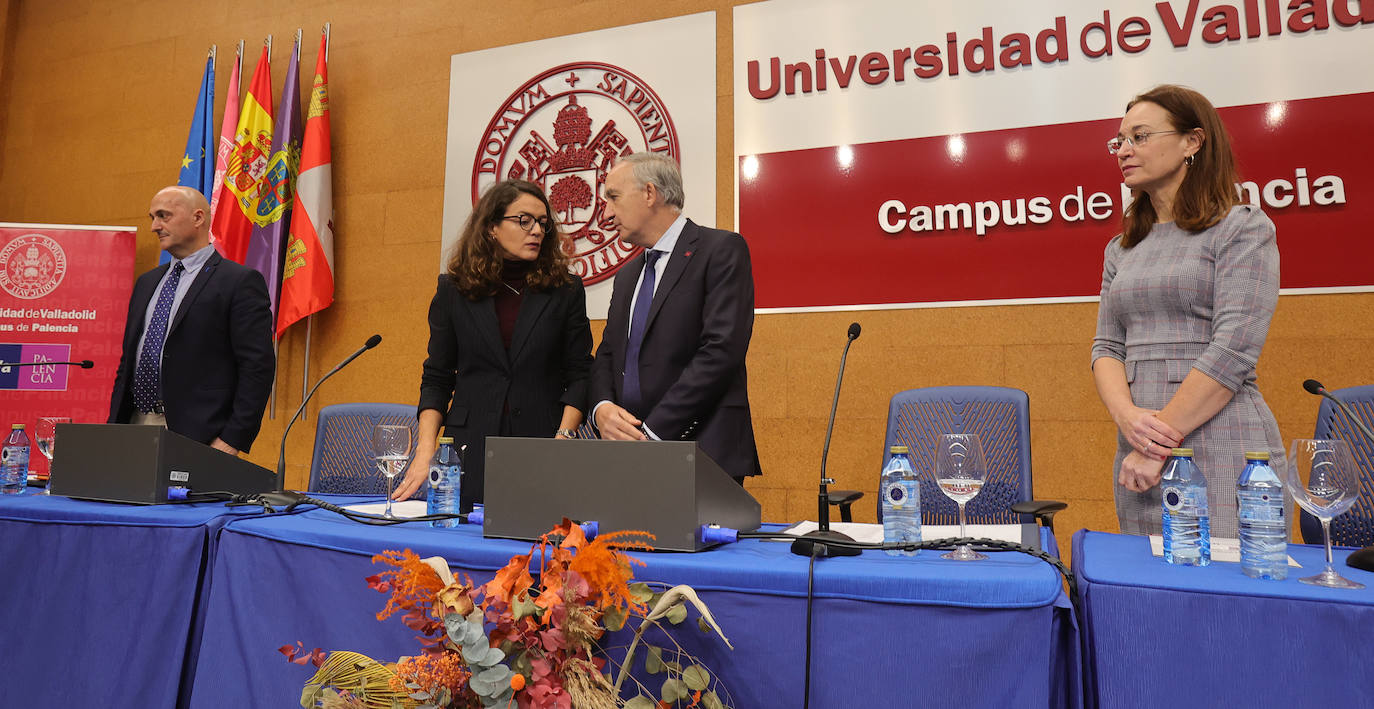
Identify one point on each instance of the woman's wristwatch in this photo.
(565, 432)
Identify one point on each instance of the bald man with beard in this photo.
(197, 354)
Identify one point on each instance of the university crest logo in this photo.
(32, 266)
(562, 130)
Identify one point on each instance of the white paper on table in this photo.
(1223, 549)
(873, 533)
(404, 508)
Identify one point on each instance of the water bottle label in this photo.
(1260, 507)
(897, 495)
(14, 455)
(1173, 498)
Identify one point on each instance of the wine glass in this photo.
(391, 448)
(46, 435)
(1322, 479)
(960, 470)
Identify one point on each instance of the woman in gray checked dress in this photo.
(1188, 290)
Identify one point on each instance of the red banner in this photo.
(1025, 213)
(64, 295)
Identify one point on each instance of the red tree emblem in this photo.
(568, 194)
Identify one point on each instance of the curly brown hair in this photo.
(1209, 187)
(475, 265)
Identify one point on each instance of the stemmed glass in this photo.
(1322, 479)
(46, 435)
(391, 448)
(960, 470)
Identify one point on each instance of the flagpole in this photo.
(240, 58)
(310, 319)
(276, 346)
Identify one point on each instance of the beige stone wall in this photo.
(95, 100)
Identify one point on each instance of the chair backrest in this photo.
(999, 415)
(1355, 528)
(343, 447)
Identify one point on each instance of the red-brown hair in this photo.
(1209, 185)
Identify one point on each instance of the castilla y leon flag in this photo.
(247, 164)
(307, 284)
(266, 244)
(226, 143)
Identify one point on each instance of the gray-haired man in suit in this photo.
(671, 361)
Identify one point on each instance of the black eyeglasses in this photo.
(527, 222)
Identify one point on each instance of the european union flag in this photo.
(198, 162)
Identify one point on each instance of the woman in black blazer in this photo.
(509, 341)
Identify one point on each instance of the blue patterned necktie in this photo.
(148, 375)
(634, 398)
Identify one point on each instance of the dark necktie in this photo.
(148, 375)
(634, 398)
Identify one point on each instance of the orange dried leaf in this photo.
(412, 582)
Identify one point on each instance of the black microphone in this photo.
(84, 364)
(1315, 387)
(810, 540)
(281, 456)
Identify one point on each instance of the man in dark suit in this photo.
(671, 361)
(198, 341)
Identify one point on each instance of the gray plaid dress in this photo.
(1179, 301)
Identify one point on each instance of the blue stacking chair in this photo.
(1001, 417)
(343, 461)
(1355, 528)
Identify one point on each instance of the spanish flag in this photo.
(247, 164)
(307, 284)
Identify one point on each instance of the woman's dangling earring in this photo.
(1189, 160)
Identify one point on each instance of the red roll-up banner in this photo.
(64, 294)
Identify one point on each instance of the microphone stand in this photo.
(281, 455)
(813, 543)
(84, 364)
(1349, 415)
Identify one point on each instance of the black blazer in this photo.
(472, 379)
(691, 364)
(217, 361)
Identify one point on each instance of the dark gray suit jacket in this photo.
(217, 362)
(691, 364)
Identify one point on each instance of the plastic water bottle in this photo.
(1263, 530)
(445, 481)
(1187, 526)
(14, 461)
(901, 502)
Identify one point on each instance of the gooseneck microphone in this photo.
(1315, 387)
(281, 456)
(84, 364)
(814, 542)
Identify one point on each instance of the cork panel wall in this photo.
(96, 105)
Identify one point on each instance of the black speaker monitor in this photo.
(667, 488)
(132, 463)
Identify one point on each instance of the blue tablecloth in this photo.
(1162, 635)
(885, 630)
(100, 601)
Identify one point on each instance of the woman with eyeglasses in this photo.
(1188, 290)
(509, 341)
